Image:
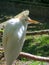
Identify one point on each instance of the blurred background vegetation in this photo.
(39, 1)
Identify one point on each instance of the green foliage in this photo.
(1, 33)
(1, 30)
(37, 63)
(38, 45)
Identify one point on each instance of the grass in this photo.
(37, 45)
(37, 63)
(1, 31)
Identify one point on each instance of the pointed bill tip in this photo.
(32, 21)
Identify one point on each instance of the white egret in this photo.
(13, 36)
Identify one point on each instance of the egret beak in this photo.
(32, 21)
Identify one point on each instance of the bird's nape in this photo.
(24, 13)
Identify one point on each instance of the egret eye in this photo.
(26, 19)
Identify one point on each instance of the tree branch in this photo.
(38, 32)
(34, 57)
(27, 55)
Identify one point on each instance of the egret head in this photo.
(25, 16)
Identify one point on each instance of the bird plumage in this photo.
(14, 35)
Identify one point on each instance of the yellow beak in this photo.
(32, 21)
